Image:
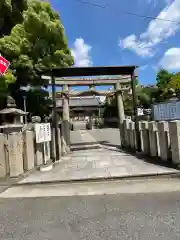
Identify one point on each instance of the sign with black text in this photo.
(43, 132)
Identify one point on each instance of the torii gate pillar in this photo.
(120, 108)
(65, 137)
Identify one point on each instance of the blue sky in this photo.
(107, 36)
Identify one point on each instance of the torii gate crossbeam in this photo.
(57, 77)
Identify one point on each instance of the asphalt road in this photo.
(132, 217)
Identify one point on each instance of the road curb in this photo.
(104, 179)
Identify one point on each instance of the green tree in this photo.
(11, 14)
(163, 78)
(36, 44)
(147, 95)
(162, 82)
(33, 96)
(175, 82)
(5, 81)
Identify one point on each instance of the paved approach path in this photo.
(95, 161)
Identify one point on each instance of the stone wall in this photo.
(160, 140)
(20, 153)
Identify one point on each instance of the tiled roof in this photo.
(13, 111)
(81, 102)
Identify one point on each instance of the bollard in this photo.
(164, 141)
(153, 139)
(174, 133)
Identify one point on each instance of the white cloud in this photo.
(156, 32)
(80, 52)
(141, 48)
(142, 68)
(171, 59)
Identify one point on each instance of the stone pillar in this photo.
(52, 145)
(164, 141)
(144, 135)
(15, 143)
(6, 150)
(120, 107)
(174, 133)
(3, 162)
(29, 152)
(153, 139)
(39, 154)
(66, 121)
(48, 150)
(132, 134)
(127, 133)
(60, 147)
(141, 135)
(63, 142)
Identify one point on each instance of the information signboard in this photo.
(43, 132)
(166, 111)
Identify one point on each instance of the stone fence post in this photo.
(52, 145)
(122, 135)
(3, 160)
(144, 136)
(127, 133)
(29, 152)
(164, 141)
(60, 144)
(132, 134)
(39, 154)
(153, 139)
(174, 133)
(15, 148)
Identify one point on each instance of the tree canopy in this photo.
(163, 78)
(36, 42)
(175, 83)
(11, 14)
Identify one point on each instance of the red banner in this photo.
(4, 64)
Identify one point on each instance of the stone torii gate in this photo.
(63, 77)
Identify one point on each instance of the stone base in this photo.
(47, 167)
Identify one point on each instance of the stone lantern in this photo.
(11, 117)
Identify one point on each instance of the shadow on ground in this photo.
(86, 145)
(142, 157)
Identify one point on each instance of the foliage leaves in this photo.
(163, 78)
(35, 42)
(11, 14)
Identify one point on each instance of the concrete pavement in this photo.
(96, 161)
(111, 217)
(149, 185)
(142, 209)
